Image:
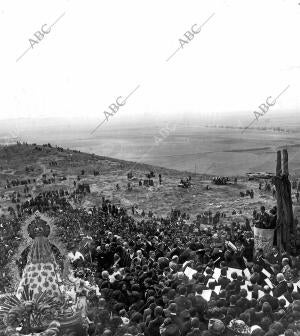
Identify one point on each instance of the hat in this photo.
(216, 326)
(254, 327)
(239, 327)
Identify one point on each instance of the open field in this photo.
(200, 149)
(160, 199)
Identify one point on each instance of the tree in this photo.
(286, 229)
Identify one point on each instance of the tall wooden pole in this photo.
(279, 202)
(278, 164)
(286, 232)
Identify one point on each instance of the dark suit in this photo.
(200, 304)
(176, 320)
(181, 302)
(273, 301)
(223, 282)
(153, 327)
(280, 289)
(274, 259)
(195, 332)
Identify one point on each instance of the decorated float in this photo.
(44, 301)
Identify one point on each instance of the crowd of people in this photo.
(166, 276)
(143, 271)
(18, 182)
(9, 241)
(159, 276)
(265, 220)
(45, 201)
(220, 180)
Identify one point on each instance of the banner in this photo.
(263, 239)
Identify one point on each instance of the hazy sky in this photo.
(100, 50)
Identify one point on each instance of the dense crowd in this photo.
(143, 271)
(9, 241)
(169, 276)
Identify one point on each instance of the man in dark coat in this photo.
(281, 288)
(267, 297)
(223, 280)
(153, 327)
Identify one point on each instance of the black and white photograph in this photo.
(150, 168)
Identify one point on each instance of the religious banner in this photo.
(263, 239)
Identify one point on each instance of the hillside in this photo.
(24, 161)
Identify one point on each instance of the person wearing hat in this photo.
(238, 328)
(216, 327)
(256, 331)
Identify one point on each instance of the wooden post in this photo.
(278, 165)
(286, 232)
(285, 163)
